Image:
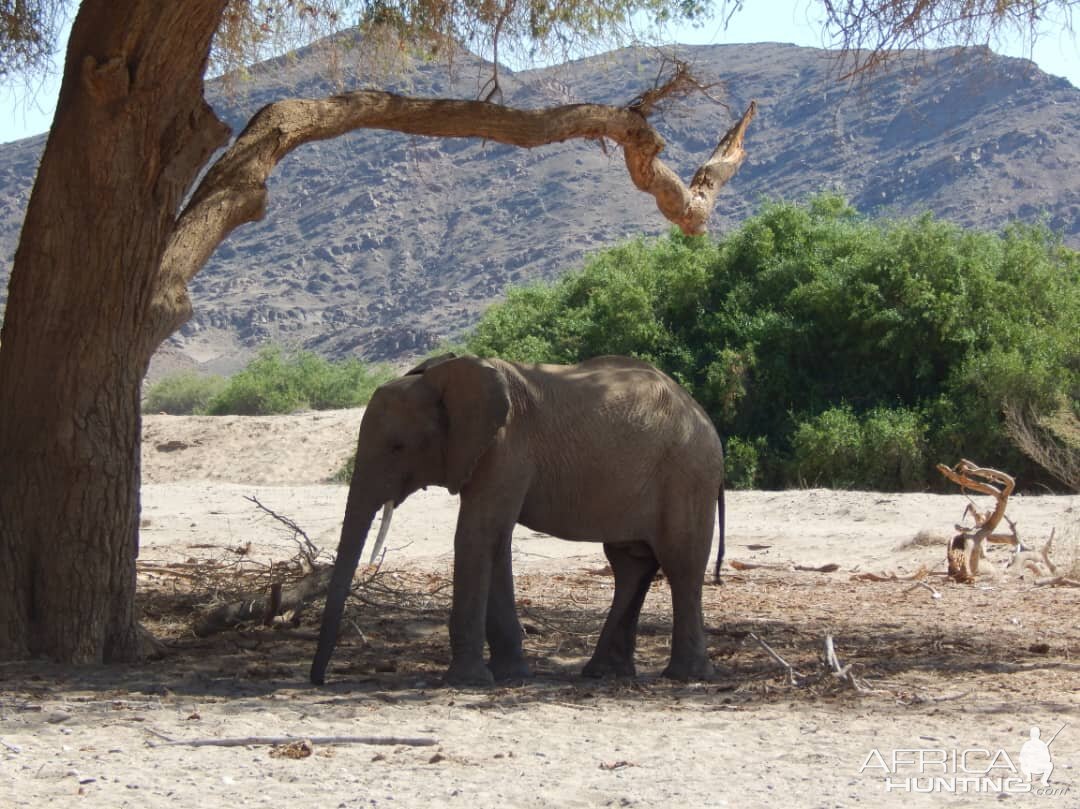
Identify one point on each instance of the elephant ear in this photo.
(430, 362)
(477, 401)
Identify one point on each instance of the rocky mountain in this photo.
(383, 245)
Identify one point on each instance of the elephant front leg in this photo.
(634, 566)
(504, 633)
(477, 543)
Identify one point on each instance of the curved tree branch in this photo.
(234, 190)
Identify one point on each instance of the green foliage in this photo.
(826, 449)
(276, 383)
(883, 449)
(742, 462)
(842, 350)
(182, 394)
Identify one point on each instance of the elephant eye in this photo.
(397, 446)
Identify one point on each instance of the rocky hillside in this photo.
(383, 245)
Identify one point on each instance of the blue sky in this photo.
(1056, 51)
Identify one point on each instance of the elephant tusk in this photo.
(384, 529)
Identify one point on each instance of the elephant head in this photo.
(427, 428)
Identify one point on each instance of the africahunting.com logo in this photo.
(969, 770)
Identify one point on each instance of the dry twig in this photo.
(918, 575)
(831, 567)
(248, 741)
(1057, 581)
(793, 676)
(843, 673)
(309, 552)
(924, 586)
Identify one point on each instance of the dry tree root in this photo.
(966, 547)
(1036, 562)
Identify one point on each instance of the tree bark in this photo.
(130, 134)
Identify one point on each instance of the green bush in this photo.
(742, 462)
(276, 383)
(883, 449)
(910, 333)
(182, 394)
(893, 451)
(826, 449)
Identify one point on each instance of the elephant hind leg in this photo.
(685, 572)
(634, 566)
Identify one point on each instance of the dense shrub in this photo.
(883, 449)
(742, 462)
(827, 449)
(182, 394)
(274, 382)
(811, 327)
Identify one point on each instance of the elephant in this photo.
(611, 450)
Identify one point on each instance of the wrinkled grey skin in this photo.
(610, 451)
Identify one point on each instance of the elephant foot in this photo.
(600, 667)
(473, 674)
(510, 669)
(698, 670)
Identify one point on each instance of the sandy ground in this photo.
(953, 677)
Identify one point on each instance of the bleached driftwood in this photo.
(967, 547)
(1029, 560)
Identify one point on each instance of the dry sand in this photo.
(972, 668)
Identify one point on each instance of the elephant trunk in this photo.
(358, 518)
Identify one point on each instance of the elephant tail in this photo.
(720, 549)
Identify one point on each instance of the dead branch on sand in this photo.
(967, 547)
(266, 607)
(921, 584)
(1034, 561)
(793, 676)
(832, 668)
(844, 673)
(1057, 581)
(830, 567)
(918, 575)
(250, 741)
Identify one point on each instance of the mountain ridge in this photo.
(382, 245)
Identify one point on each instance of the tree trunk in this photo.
(130, 134)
